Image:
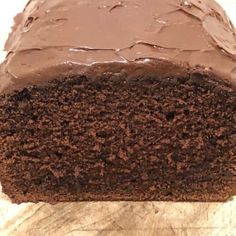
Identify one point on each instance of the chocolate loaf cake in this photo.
(119, 100)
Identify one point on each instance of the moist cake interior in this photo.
(142, 138)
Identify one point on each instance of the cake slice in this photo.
(119, 100)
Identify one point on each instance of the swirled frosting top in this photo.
(54, 38)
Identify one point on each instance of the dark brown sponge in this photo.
(114, 138)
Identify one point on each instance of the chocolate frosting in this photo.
(57, 38)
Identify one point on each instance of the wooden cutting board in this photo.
(117, 218)
(112, 218)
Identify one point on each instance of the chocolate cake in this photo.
(119, 100)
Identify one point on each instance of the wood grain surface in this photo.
(118, 218)
(112, 218)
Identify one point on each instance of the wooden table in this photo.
(112, 218)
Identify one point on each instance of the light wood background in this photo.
(112, 218)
